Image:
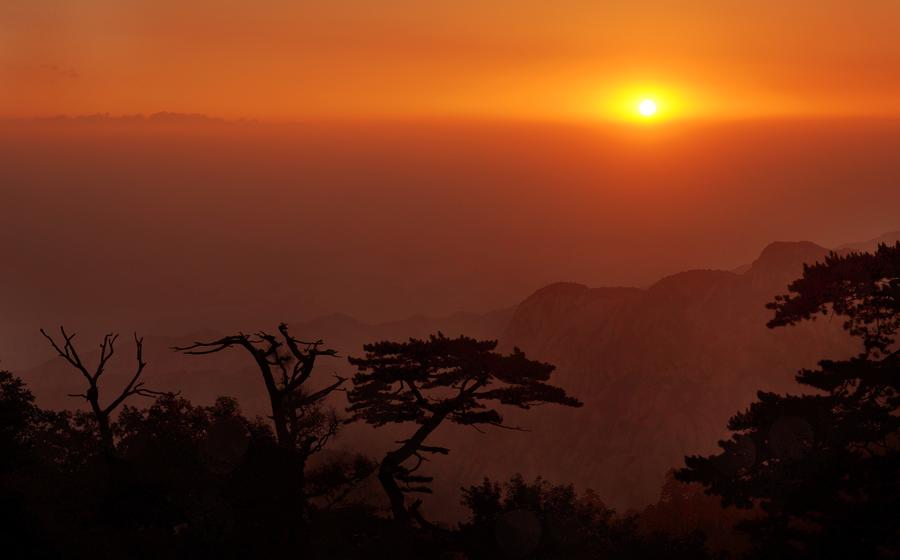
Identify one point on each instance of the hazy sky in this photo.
(278, 59)
(185, 226)
(424, 177)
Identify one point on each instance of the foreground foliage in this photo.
(824, 466)
(816, 474)
(205, 481)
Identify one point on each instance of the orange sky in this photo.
(280, 59)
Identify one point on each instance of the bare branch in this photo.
(505, 427)
(286, 394)
(291, 342)
(202, 348)
(434, 449)
(321, 394)
(68, 352)
(133, 387)
(107, 349)
(305, 358)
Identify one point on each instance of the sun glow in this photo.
(647, 107)
(648, 103)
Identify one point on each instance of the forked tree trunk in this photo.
(104, 429)
(280, 420)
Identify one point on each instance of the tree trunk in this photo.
(393, 461)
(103, 426)
(281, 420)
(386, 474)
(106, 435)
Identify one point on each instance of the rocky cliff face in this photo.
(661, 370)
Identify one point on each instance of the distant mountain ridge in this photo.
(660, 371)
(871, 244)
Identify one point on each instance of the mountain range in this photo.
(660, 370)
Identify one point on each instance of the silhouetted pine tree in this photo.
(426, 382)
(825, 467)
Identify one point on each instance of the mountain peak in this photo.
(559, 288)
(781, 254)
(782, 262)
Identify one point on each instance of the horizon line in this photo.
(177, 117)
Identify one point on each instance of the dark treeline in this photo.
(142, 473)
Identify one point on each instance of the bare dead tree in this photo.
(66, 350)
(286, 364)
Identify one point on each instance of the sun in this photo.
(647, 107)
(645, 103)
